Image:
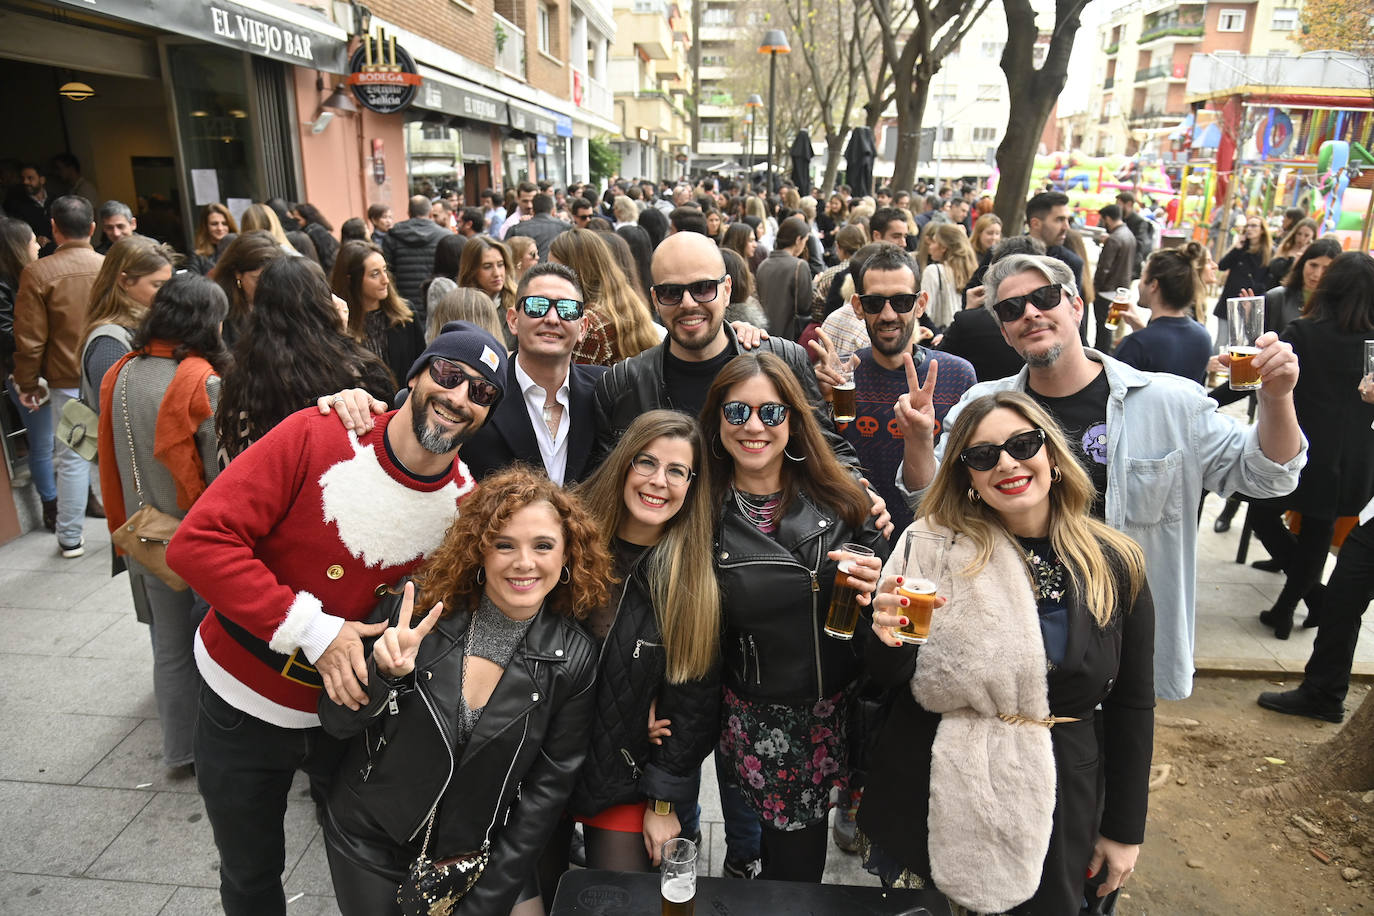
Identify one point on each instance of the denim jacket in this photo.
(1166, 442)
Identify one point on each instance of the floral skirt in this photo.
(786, 758)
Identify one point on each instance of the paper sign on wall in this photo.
(205, 186)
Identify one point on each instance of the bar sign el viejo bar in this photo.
(382, 75)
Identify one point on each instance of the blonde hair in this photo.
(1074, 242)
(260, 216)
(464, 304)
(607, 288)
(1093, 553)
(979, 227)
(134, 256)
(959, 259)
(682, 578)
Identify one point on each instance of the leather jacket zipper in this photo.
(524, 733)
(815, 629)
(448, 747)
(813, 573)
(758, 667)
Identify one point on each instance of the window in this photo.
(992, 49)
(430, 131)
(984, 134)
(949, 135)
(545, 29)
(1231, 21)
(1285, 20)
(947, 96)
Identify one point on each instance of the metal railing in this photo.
(510, 46)
(1151, 73)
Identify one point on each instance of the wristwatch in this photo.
(661, 808)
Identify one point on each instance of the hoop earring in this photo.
(1056, 475)
(714, 452)
(481, 575)
(974, 496)
(792, 457)
(566, 577)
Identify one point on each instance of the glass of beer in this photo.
(1244, 325)
(923, 561)
(844, 606)
(844, 404)
(1121, 302)
(678, 879)
(1369, 359)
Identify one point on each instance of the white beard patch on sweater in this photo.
(380, 520)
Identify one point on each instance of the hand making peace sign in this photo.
(395, 649)
(915, 410)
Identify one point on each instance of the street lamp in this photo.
(774, 43)
(753, 102)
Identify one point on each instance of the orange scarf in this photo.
(185, 405)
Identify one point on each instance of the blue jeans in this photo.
(40, 425)
(73, 476)
(743, 832)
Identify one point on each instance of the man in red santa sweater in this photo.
(292, 545)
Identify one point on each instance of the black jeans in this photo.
(1348, 593)
(244, 767)
(1302, 555)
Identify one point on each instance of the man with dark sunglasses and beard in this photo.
(1150, 441)
(292, 546)
(889, 302)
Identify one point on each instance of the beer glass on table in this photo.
(845, 406)
(1121, 303)
(923, 565)
(844, 606)
(1369, 360)
(678, 879)
(1245, 324)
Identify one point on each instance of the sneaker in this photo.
(74, 551)
(845, 832)
(1300, 702)
(746, 870)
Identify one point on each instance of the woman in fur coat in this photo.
(1030, 708)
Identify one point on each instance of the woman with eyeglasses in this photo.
(1016, 754)
(659, 649)
(786, 507)
(476, 718)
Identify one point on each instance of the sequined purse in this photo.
(435, 888)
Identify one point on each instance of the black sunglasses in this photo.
(1021, 446)
(901, 303)
(448, 374)
(700, 290)
(737, 413)
(538, 307)
(1044, 299)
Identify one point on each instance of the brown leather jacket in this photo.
(50, 316)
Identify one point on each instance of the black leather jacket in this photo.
(635, 385)
(512, 777)
(776, 591)
(622, 766)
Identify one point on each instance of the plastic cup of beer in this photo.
(1121, 302)
(678, 878)
(922, 562)
(1244, 325)
(844, 403)
(844, 605)
(1369, 359)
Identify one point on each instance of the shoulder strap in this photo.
(129, 433)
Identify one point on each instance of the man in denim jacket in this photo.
(1158, 443)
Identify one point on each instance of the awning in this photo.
(290, 34)
(532, 120)
(452, 98)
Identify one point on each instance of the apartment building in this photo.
(651, 77)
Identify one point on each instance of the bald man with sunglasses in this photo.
(1151, 441)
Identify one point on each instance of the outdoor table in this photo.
(590, 892)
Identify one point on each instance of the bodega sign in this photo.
(382, 75)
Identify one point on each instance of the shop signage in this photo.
(383, 75)
(463, 103)
(532, 120)
(292, 38)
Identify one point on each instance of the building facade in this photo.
(652, 79)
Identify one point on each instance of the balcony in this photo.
(1105, 119)
(1151, 117)
(510, 47)
(1108, 83)
(595, 97)
(644, 28)
(1152, 73)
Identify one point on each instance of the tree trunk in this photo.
(911, 109)
(834, 151)
(1346, 763)
(1032, 94)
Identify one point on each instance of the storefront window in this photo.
(515, 161)
(434, 158)
(217, 137)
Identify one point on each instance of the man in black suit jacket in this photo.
(548, 416)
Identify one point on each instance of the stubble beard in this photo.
(434, 441)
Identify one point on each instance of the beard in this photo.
(1046, 359)
(430, 438)
(897, 347)
(712, 331)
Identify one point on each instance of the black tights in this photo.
(795, 855)
(1302, 555)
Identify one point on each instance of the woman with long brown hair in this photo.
(237, 273)
(486, 265)
(1046, 621)
(785, 508)
(1247, 269)
(987, 232)
(216, 223)
(618, 322)
(378, 318)
(495, 685)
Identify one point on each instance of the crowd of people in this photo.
(499, 520)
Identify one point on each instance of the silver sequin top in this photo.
(494, 637)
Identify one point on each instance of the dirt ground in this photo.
(1209, 851)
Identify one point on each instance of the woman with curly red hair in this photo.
(484, 702)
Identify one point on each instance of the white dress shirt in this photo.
(552, 448)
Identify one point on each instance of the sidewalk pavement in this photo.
(90, 823)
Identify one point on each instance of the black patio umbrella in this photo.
(858, 157)
(801, 154)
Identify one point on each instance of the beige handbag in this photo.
(145, 534)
